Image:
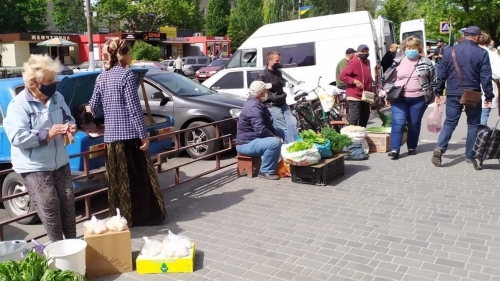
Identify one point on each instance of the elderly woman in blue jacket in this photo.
(37, 123)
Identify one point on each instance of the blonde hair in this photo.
(113, 52)
(413, 42)
(37, 67)
(484, 39)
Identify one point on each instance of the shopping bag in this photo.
(435, 120)
(283, 170)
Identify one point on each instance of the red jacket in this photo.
(354, 70)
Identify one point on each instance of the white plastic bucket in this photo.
(12, 250)
(67, 254)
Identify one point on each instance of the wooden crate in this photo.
(381, 142)
(319, 174)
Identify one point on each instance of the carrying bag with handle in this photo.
(469, 98)
(367, 96)
(397, 92)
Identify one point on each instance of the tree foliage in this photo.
(69, 16)
(217, 20)
(22, 15)
(150, 15)
(245, 18)
(145, 51)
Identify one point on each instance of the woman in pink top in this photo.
(417, 75)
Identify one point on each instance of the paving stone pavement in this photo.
(384, 220)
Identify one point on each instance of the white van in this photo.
(313, 47)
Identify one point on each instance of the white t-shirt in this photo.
(178, 63)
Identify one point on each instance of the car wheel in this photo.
(14, 184)
(201, 135)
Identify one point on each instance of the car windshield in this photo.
(289, 77)
(180, 85)
(218, 63)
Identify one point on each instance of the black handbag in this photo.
(397, 92)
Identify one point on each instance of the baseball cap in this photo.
(439, 40)
(258, 86)
(350, 51)
(472, 30)
(362, 47)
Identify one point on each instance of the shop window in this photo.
(232, 80)
(251, 76)
(298, 55)
(37, 50)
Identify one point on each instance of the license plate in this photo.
(202, 75)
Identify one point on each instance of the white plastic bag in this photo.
(300, 158)
(356, 133)
(175, 246)
(95, 226)
(327, 101)
(151, 248)
(435, 120)
(117, 223)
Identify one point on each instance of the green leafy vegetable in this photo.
(377, 130)
(299, 146)
(337, 141)
(311, 137)
(34, 267)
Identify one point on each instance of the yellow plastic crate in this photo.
(161, 265)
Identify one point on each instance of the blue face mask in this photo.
(48, 90)
(411, 54)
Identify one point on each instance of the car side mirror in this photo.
(164, 101)
(157, 96)
(78, 67)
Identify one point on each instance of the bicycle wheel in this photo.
(305, 119)
(321, 117)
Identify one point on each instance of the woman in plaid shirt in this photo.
(132, 180)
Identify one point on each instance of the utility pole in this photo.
(300, 4)
(88, 13)
(451, 28)
(353, 4)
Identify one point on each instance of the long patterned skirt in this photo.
(133, 184)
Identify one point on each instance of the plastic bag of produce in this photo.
(324, 149)
(151, 248)
(356, 133)
(327, 101)
(283, 170)
(300, 153)
(435, 120)
(95, 226)
(175, 246)
(117, 223)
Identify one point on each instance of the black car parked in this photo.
(191, 104)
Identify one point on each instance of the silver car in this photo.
(170, 66)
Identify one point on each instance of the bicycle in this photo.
(306, 117)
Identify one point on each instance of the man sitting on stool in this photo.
(256, 135)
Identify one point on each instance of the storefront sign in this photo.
(180, 39)
(151, 36)
(43, 37)
(171, 32)
(128, 36)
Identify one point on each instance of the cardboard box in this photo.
(108, 253)
(161, 265)
(381, 142)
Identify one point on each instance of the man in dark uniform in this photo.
(283, 118)
(438, 53)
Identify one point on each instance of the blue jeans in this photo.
(453, 113)
(485, 114)
(268, 148)
(283, 119)
(407, 111)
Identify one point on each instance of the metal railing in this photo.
(161, 158)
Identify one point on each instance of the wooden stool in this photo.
(247, 164)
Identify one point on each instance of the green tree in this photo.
(397, 11)
(150, 15)
(217, 20)
(69, 16)
(245, 18)
(145, 51)
(22, 15)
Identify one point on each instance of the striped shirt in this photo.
(115, 94)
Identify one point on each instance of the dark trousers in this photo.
(179, 71)
(359, 113)
(52, 194)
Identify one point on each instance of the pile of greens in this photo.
(337, 141)
(377, 130)
(296, 146)
(310, 136)
(34, 267)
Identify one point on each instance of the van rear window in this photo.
(419, 34)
